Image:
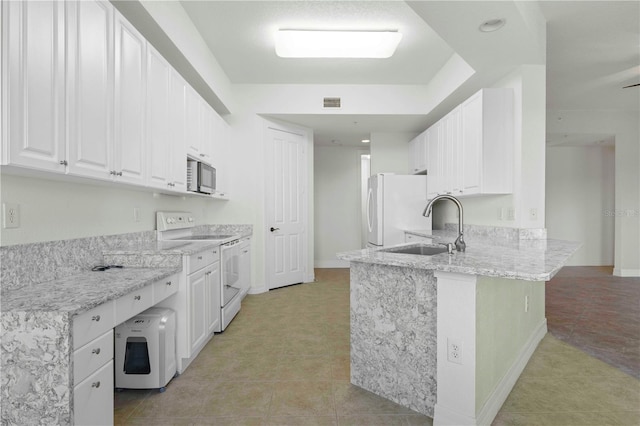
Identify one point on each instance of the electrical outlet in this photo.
(511, 213)
(10, 215)
(136, 214)
(454, 351)
(500, 213)
(533, 214)
(526, 303)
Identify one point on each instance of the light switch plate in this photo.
(10, 215)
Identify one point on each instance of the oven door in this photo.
(230, 272)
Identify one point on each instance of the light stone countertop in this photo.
(79, 293)
(531, 260)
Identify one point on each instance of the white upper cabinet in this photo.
(90, 88)
(177, 132)
(85, 94)
(33, 74)
(470, 150)
(418, 154)
(487, 134)
(159, 119)
(130, 95)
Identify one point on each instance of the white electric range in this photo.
(178, 226)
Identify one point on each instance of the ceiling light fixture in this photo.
(492, 25)
(365, 141)
(336, 44)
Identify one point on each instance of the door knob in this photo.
(274, 229)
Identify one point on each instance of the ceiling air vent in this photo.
(331, 103)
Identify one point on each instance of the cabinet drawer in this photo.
(165, 288)
(200, 260)
(92, 324)
(92, 356)
(133, 303)
(410, 238)
(93, 398)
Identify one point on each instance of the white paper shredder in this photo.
(145, 350)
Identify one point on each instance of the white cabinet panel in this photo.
(90, 87)
(33, 55)
(197, 284)
(418, 154)
(158, 119)
(130, 78)
(487, 135)
(93, 398)
(133, 303)
(192, 121)
(213, 298)
(177, 132)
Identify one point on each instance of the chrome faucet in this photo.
(460, 244)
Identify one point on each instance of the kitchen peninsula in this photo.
(449, 335)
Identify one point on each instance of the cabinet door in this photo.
(197, 287)
(434, 166)
(158, 119)
(192, 111)
(207, 123)
(93, 398)
(177, 129)
(90, 87)
(471, 117)
(33, 68)
(213, 298)
(129, 140)
(451, 176)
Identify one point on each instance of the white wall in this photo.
(390, 152)
(337, 203)
(626, 128)
(580, 197)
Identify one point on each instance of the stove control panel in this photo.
(167, 221)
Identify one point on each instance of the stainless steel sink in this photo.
(422, 249)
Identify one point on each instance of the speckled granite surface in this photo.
(532, 260)
(393, 334)
(82, 292)
(26, 264)
(45, 285)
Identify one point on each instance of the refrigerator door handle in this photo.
(369, 224)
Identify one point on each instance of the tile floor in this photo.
(285, 361)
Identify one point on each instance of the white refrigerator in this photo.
(394, 204)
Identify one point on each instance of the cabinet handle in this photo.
(199, 257)
(95, 384)
(215, 252)
(95, 318)
(168, 282)
(112, 172)
(201, 155)
(136, 297)
(119, 174)
(96, 351)
(246, 251)
(63, 163)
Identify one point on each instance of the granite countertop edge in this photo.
(535, 260)
(79, 293)
(181, 247)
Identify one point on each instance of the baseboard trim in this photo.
(445, 416)
(499, 395)
(622, 272)
(258, 289)
(334, 263)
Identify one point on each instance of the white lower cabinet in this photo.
(197, 304)
(93, 398)
(93, 350)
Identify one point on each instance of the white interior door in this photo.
(285, 215)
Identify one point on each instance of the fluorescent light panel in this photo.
(336, 44)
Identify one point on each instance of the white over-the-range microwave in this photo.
(201, 177)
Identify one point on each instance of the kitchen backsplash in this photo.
(27, 264)
(497, 234)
